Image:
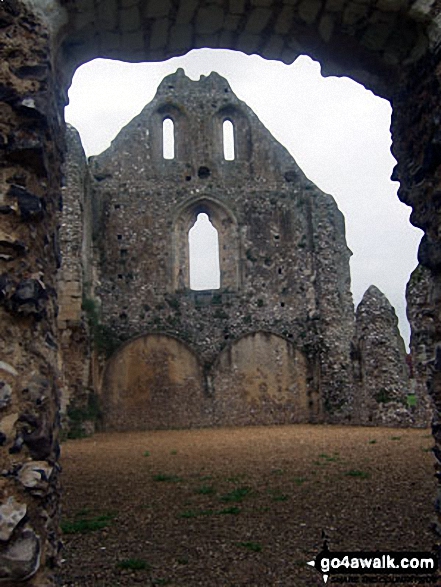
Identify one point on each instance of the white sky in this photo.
(337, 131)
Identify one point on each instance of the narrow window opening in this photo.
(168, 139)
(228, 136)
(203, 244)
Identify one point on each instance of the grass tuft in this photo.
(237, 495)
(161, 478)
(85, 525)
(357, 473)
(134, 564)
(233, 511)
(206, 490)
(252, 546)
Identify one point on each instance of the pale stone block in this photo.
(158, 8)
(108, 15)
(110, 41)
(248, 43)
(354, 13)
(133, 41)
(375, 36)
(186, 11)
(288, 56)
(211, 41)
(70, 290)
(420, 9)
(226, 39)
(309, 9)
(129, 20)
(419, 48)
(209, 20)
(257, 20)
(273, 47)
(326, 27)
(82, 5)
(237, 6)
(231, 22)
(284, 20)
(180, 37)
(391, 5)
(334, 5)
(82, 19)
(158, 36)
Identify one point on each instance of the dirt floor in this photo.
(243, 506)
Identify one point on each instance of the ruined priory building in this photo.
(393, 47)
(276, 342)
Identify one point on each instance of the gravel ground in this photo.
(240, 506)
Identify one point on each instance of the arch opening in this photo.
(228, 140)
(203, 242)
(168, 139)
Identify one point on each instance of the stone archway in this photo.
(229, 242)
(391, 46)
(154, 381)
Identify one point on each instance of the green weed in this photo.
(188, 514)
(238, 494)
(253, 546)
(134, 564)
(233, 511)
(206, 490)
(358, 473)
(328, 458)
(278, 472)
(85, 525)
(161, 478)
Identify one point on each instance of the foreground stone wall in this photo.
(421, 318)
(31, 148)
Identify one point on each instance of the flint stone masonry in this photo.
(278, 341)
(394, 49)
(384, 375)
(422, 340)
(284, 261)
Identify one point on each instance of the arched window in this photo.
(228, 140)
(203, 244)
(168, 139)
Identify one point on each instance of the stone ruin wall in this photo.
(393, 47)
(285, 272)
(283, 256)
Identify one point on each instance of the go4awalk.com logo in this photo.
(397, 565)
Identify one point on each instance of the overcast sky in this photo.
(337, 131)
